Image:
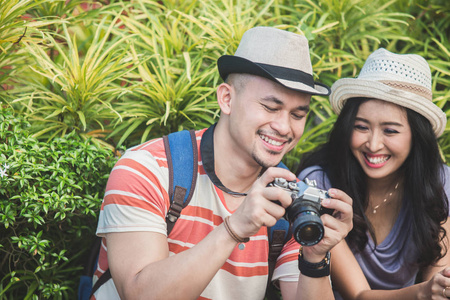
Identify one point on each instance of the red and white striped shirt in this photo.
(136, 199)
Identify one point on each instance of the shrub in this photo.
(50, 195)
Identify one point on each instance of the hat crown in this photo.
(385, 66)
(278, 55)
(402, 79)
(267, 45)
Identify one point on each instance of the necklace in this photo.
(374, 209)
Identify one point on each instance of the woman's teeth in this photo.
(376, 160)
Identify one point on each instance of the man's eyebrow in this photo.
(277, 101)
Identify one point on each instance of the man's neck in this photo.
(236, 172)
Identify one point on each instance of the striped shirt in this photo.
(136, 199)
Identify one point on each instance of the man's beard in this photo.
(262, 163)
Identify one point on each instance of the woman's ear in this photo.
(225, 94)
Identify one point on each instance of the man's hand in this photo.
(259, 208)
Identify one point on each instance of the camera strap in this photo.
(207, 152)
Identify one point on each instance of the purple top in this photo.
(391, 265)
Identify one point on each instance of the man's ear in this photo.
(225, 94)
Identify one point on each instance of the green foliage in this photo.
(15, 27)
(71, 94)
(50, 195)
(172, 90)
(90, 74)
(124, 72)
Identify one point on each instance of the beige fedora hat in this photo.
(402, 79)
(275, 54)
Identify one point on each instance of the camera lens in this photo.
(307, 228)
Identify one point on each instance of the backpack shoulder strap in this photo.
(182, 159)
(278, 235)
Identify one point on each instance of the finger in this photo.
(275, 210)
(443, 281)
(275, 172)
(340, 222)
(337, 225)
(338, 194)
(342, 209)
(269, 220)
(446, 272)
(445, 291)
(279, 195)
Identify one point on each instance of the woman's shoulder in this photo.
(316, 173)
(311, 171)
(446, 180)
(446, 171)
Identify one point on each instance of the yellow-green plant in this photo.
(177, 83)
(74, 92)
(16, 27)
(135, 70)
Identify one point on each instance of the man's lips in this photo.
(274, 144)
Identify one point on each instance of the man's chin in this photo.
(266, 163)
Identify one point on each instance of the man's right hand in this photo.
(259, 208)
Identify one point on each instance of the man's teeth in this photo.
(270, 141)
(377, 160)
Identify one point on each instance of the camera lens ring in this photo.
(307, 228)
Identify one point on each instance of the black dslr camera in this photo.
(305, 210)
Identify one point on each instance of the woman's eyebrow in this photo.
(389, 123)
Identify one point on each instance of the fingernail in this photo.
(326, 201)
(332, 193)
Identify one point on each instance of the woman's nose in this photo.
(375, 142)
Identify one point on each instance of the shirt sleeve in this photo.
(136, 196)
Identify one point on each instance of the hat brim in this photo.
(347, 88)
(228, 64)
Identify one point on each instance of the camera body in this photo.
(305, 210)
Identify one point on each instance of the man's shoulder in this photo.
(152, 146)
(155, 147)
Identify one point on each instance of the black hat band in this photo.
(288, 74)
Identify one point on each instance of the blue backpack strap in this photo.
(278, 235)
(85, 285)
(182, 159)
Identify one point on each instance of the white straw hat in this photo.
(402, 79)
(278, 55)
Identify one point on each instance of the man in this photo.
(264, 102)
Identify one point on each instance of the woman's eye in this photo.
(360, 127)
(390, 131)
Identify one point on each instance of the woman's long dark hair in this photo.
(423, 182)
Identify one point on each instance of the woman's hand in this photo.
(336, 226)
(438, 287)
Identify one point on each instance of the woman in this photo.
(383, 152)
